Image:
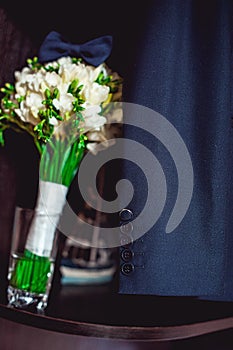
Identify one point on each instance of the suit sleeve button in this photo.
(126, 255)
(126, 214)
(126, 228)
(127, 268)
(126, 240)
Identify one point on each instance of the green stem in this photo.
(31, 273)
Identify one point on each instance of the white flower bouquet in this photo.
(63, 105)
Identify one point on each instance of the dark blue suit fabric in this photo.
(181, 68)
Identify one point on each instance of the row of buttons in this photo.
(126, 240)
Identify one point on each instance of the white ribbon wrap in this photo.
(49, 206)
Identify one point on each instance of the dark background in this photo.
(23, 26)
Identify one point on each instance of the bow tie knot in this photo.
(94, 52)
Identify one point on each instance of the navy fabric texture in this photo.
(181, 67)
(94, 52)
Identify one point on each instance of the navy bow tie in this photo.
(94, 52)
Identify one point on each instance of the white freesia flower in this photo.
(95, 93)
(33, 103)
(64, 103)
(91, 110)
(92, 119)
(21, 89)
(29, 108)
(34, 99)
(52, 79)
(94, 72)
(72, 71)
(22, 76)
(26, 116)
(34, 82)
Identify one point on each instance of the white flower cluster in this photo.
(31, 86)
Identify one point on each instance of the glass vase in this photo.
(34, 249)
